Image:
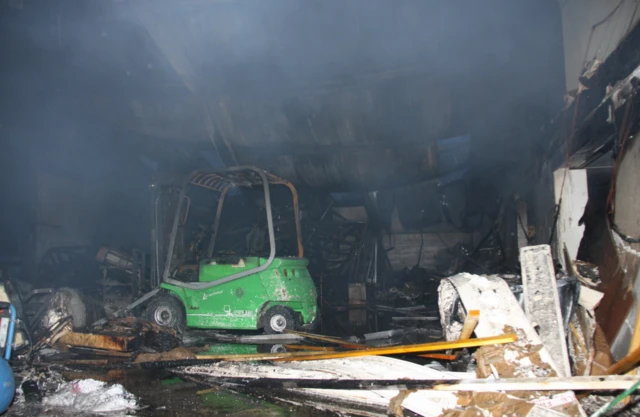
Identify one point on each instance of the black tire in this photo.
(277, 319)
(167, 311)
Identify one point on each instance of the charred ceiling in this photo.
(331, 95)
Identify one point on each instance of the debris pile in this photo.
(522, 404)
(91, 396)
(38, 382)
(520, 370)
(515, 360)
(513, 364)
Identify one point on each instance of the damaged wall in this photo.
(627, 219)
(571, 193)
(404, 249)
(582, 135)
(613, 18)
(627, 199)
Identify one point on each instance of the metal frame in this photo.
(222, 187)
(216, 181)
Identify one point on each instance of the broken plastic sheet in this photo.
(91, 396)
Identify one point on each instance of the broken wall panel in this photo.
(571, 193)
(523, 223)
(619, 260)
(542, 303)
(618, 299)
(630, 286)
(627, 186)
(627, 220)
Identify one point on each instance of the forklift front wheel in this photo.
(167, 311)
(278, 319)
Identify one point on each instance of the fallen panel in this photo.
(542, 303)
(582, 383)
(571, 194)
(497, 305)
(426, 403)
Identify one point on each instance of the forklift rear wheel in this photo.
(167, 311)
(278, 319)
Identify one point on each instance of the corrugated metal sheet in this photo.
(403, 249)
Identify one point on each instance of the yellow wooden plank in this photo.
(396, 350)
(440, 356)
(626, 364)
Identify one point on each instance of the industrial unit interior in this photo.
(340, 207)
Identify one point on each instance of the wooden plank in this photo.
(120, 343)
(470, 323)
(417, 348)
(542, 303)
(394, 350)
(439, 356)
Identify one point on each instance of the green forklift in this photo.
(250, 286)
